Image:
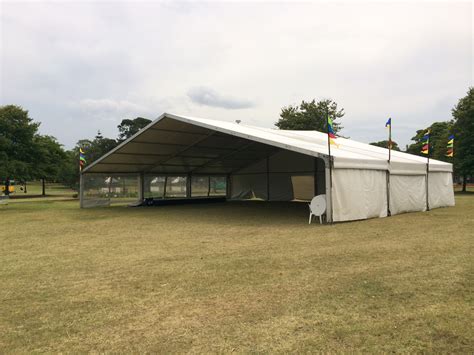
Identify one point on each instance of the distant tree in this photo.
(310, 116)
(384, 144)
(17, 146)
(128, 128)
(100, 146)
(93, 150)
(440, 132)
(50, 159)
(463, 122)
(50, 156)
(69, 174)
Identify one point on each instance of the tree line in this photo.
(27, 155)
(312, 115)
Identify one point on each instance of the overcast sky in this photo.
(83, 66)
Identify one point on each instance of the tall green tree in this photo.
(384, 144)
(100, 146)
(439, 133)
(93, 150)
(69, 174)
(128, 128)
(50, 159)
(310, 116)
(17, 144)
(463, 120)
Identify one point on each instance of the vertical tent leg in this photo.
(141, 187)
(81, 190)
(164, 187)
(315, 177)
(329, 214)
(268, 178)
(188, 186)
(228, 187)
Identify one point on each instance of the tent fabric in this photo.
(279, 165)
(359, 194)
(407, 193)
(440, 189)
(186, 143)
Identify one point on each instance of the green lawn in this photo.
(34, 188)
(244, 277)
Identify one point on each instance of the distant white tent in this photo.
(247, 162)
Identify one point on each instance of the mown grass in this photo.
(245, 277)
(35, 188)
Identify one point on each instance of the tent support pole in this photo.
(228, 187)
(315, 174)
(164, 187)
(188, 186)
(141, 186)
(268, 178)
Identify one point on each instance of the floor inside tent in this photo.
(237, 212)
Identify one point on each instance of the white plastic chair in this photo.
(4, 199)
(317, 207)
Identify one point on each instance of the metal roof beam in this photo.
(222, 157)
(158, 163)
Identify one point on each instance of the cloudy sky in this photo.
(83, 66)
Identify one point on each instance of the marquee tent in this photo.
(180, 157)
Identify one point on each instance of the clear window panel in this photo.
(218, 186)
(199, 186)
(154, 186)
(176, 186)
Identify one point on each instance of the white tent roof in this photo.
(182, 144)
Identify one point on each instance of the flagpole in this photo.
(388, 171)
(427, 174)
(330, 165)
(389, 141)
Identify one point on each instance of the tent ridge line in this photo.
(243, 135)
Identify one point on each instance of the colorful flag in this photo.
(426, 143)
(450, 151)
(82, 158)
(331, 133)
(388, 125)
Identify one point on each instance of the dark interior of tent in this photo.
(176, 162)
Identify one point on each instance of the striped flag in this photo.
(450, 151)
(82, 159)
(425, 149)
(331, 133)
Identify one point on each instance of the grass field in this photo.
(244, 277)
(35, 188)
